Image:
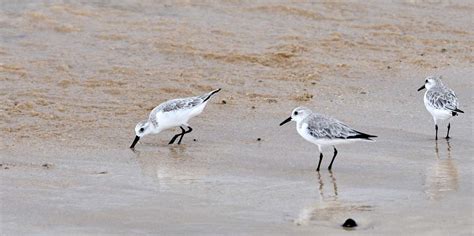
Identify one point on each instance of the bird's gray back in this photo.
(174, 105)
(441, 97)
(321, 126)
(180, 104)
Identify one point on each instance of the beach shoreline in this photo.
(76, 78)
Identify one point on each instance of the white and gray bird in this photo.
(324, 131)
(440, 101)
(170, 114)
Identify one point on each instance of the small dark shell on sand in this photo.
(46, 165)
(350, 223)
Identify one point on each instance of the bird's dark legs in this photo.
(320, 159)
(334, 157)
(176, 136)
(184, 132)
(449, 127)
(436, 128)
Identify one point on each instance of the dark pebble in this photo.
(195, 140)
(388, 67)
(46, 165)
(422, 54)
(224, 102)
(253, 107)
(350, 223)
(259, 139)
(444, 50)
(102, 173)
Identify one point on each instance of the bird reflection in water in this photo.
(322, 195)
(165, 169)
(442, 176)
(329, 208)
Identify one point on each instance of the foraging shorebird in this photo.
(324, 131)
(170, 114)
(440, 101)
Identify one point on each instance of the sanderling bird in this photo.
(170, 114)
(324, 131)
(440, 101)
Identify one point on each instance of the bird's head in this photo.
(298, 114)
(141, 129)
(430, 82)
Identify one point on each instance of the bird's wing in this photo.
(443, 99)
(330, 128)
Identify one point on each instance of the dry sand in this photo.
(76, 78)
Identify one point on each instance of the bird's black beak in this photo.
(285, 121)
(135, 141)
(422, 87)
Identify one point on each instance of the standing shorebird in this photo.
(170, 114)
(324, 131)
(440, 101)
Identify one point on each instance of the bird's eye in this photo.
(142, 129)
(296, 113)
(426, 81)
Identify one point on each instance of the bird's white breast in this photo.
(302, 130)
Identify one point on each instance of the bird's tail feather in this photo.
(361, 135)
(209, 95)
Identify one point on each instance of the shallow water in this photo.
(77, 76)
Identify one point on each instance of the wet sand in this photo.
(76, 78)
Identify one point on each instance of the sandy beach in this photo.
(75, 78)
